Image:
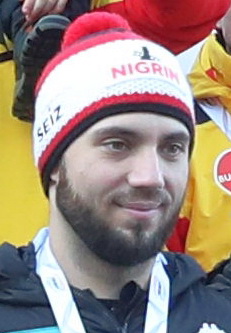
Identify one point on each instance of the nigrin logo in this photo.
(222, 171)
(144, 67)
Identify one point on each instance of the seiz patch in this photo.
(222, 171)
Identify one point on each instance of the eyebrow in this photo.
(127, 132)
(178, 136)
(115, 131)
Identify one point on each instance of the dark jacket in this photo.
(12, 18)
(24, 305)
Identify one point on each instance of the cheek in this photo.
(97, 179)
(178, 179)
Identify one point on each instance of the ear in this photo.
(54, 176)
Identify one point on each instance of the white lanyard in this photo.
(65, 309)
(220, 116)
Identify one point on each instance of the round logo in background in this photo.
(222, 171)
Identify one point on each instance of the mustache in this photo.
(127, 196)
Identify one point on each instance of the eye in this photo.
(173, 150)
(115, 145)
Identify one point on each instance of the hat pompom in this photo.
(92, 23)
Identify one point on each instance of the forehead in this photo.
(140, 122)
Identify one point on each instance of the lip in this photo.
(142, 210)
(142, 205)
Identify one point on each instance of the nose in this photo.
(146, 170)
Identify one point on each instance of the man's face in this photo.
(121, 185)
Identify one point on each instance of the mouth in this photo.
(142, 209)
(142, 205)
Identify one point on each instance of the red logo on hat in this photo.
(222, 171)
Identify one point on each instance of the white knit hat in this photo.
(103, 69)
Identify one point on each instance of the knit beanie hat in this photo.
(103, 69)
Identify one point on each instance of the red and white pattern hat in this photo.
(103, 69)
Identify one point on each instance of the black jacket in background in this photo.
(12, 18)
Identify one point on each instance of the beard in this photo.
(113, 244)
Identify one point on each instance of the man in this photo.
(21, 184)
(113, 132)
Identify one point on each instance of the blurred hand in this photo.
(34, 9)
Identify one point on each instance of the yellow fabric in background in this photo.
(210, 76)
(207, 206)
(23, 207)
